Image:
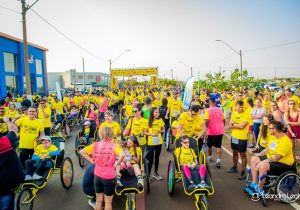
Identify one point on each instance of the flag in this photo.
(188, 93)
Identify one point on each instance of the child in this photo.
(131, 161)
(87, 133)
(41, 159)
(188, 161)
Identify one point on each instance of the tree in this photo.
(216, 80)
(236, 82)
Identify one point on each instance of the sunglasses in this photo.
(271, 128)
(292, 104)
(2, 110)
(135, 111)
(185, 142)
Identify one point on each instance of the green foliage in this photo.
(235, 79)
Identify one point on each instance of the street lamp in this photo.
(25, 8)
(187, 66)
(238, 52)
(112, 61)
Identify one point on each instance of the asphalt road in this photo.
(228, 194)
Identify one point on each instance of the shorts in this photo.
(250, 128)
(215, 141)
(101, 116)
(277, 168)
(106, 186)
(239, 144)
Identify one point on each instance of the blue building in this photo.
(12, 68)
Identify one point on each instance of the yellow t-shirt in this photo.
(77, 100)
(66, 102)
(128, 110)
(138, 153)
(138, 127)
(29, 132)
(189, 123)
(282, 146)
(41, 151)
(156, 126)
(268, 138)
(296, 99)
(3, 126)
(89, 149)
(237, 118)
(87, 131)
(185, 156)
(114, 125)
(175, 107)
(248, 111)
(46, 122)
(203, 97)
(58, 107)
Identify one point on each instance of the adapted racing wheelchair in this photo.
(278, 186)
(175, 174)
(130, 187)
(62, 165)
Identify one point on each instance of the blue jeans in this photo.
(88, 181)
(167, 126)
(256, 129)
(7, 202)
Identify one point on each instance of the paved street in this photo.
(228, 195)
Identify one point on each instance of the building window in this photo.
(80, 77)
(40, 85)
(39, 66)
(10, 62)
(11, 84)
(90, 77)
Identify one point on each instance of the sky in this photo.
(169, 34)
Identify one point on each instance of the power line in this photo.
(269, 47)
(11, 10)
(69, 39)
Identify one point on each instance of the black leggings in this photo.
(150, 156)
(25, 154)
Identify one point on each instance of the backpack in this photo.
(162, 112)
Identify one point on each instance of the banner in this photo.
(188, 93)
(154, 81)
(58, 91)
(134, 72)
(114, 82)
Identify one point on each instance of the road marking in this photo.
(294, 205)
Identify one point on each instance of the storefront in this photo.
(12, 70)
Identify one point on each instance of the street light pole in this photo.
(238, 52)
(188, 67)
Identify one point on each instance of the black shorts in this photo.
(215, 141)
(106, 186)
(277, 168)
(240, 145)
(101, 116)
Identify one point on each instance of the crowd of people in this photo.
(266, 123)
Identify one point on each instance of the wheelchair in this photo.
(175, 174)
(79, 145)
(130, 188)
(62, 165)
(284, 187)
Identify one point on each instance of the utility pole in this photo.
(172, 73)
(191, 71)
(241, 64)
(83, 74)
(25, 48)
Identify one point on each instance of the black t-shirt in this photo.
(11, 172)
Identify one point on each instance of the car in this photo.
(272, 86)
(293, 87)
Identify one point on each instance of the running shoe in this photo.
(233, 169)
(36, 177)
(140, 184)
(218, 164)
(157, 176)
(28, 178)
(242, 176)
(191, 187)
(209, 158)
(92, 203)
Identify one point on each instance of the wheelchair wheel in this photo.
(287, 187)
(147, 175)
(67, 173)
(25, 199)
(81, 159)
(168, 141)
(171, 177)
(130, 202)
(202, 203)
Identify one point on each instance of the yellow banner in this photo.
(154, 81)
(133, 72)
(114, 82)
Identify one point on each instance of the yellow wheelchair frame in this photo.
(175, 174)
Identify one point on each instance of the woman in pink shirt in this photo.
(282, 102)
(92, 115)
(104, 155)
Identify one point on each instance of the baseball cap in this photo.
(87, 123)
(46, 138)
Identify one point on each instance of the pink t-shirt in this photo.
(215, 117)
(104, 106)
(105, 157)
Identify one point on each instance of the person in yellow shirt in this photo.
(109, 122)
(58, 106)
(12, 112)
(264, 135)
(66, 102)
(3, 126)
(289, 94)
(277, 157)
(41, 159)
(35, 98)
(175, 106)
(31, 129)
(155, 129)
(239, 123)
(44, 114)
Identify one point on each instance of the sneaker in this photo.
(119, 183)
(218, 164)
(242, 176)
(92, 203)
(157, 176)
(209, 158)
(140, 184)
(36, 177)
(28, 178)
(202, 185)
(191, 187)
(232, 170)
(251, 146)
